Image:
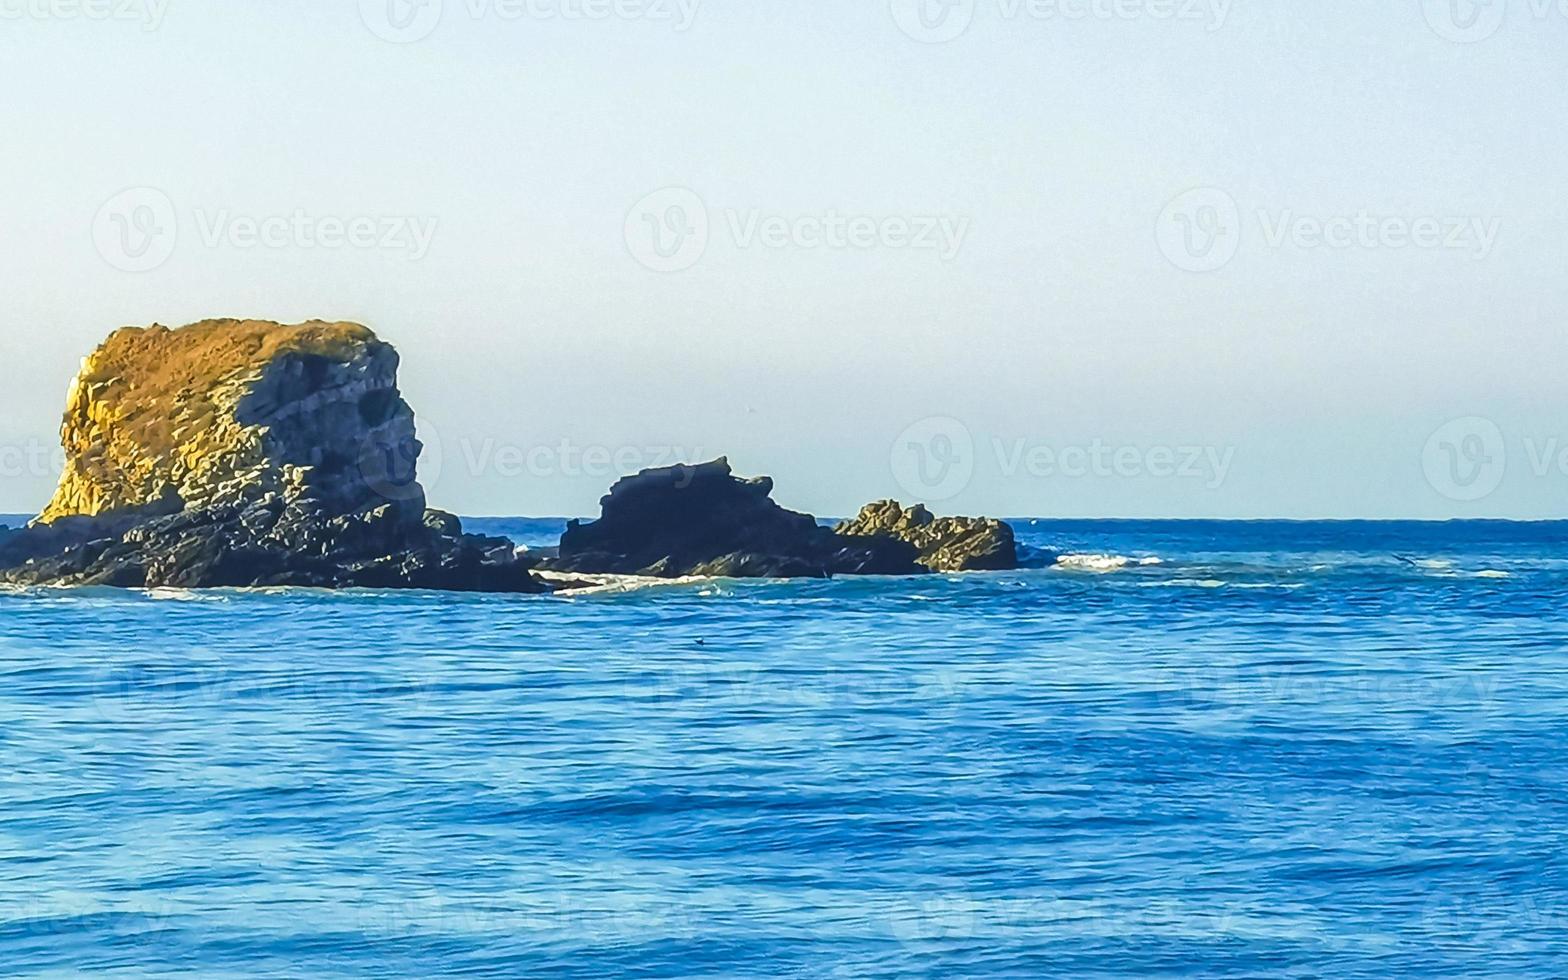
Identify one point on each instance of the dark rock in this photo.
(702, 520)
(945, 544)
(230, 546)
(447, 525)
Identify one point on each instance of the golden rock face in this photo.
(945, 544)
(159, 420)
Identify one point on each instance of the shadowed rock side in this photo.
(944, 544)
(247, 453)
(702, 520)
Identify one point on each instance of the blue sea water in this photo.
(1213, 749)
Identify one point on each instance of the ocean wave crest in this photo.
(1104, 563)
(611, 584)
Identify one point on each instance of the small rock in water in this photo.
(945, 544)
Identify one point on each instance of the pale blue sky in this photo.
(1312, 377)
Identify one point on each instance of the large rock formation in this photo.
(944, 544)
(702, 520)
(244, 453)
(161, 420)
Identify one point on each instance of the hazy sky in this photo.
(1079, 258)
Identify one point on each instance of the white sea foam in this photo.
(609, 584)
(1444, 568)
(1215, 583)
(1103, 563)
(169, 594)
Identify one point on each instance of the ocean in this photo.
(1201, 748)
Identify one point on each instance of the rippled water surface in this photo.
(1201, 748)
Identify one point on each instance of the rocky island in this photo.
(243, 453)
(703, 520)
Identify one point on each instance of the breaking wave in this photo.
(1104, 563)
